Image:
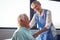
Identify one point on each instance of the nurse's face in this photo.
(36, 7)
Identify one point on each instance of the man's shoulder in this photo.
(18, 32)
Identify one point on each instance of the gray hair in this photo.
(21, 17)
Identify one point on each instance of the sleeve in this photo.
(14, 36)
(32, 22)
(18, 36)
(48, 19)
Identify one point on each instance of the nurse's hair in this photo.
(35, 2)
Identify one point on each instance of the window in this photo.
(10, 9)
(54, 6)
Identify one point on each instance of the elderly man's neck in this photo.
(25, 26)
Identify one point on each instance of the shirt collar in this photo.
(23, 28)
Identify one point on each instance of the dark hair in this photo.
(36, 2)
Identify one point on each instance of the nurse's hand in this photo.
(35, 35)
(39, 32)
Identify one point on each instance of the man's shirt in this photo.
(23, 34)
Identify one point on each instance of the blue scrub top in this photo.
(41, 21)
(23, 34)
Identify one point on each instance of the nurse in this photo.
(42, 18)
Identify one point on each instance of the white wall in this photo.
(10, 9)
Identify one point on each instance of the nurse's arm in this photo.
(32, 22)
(39, 32)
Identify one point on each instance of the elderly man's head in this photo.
(23, 20)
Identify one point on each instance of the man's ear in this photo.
(21, 20)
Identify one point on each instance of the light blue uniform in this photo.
(41, 21)
(23, 34)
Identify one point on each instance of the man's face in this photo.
(26, 19)
(36, 7)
